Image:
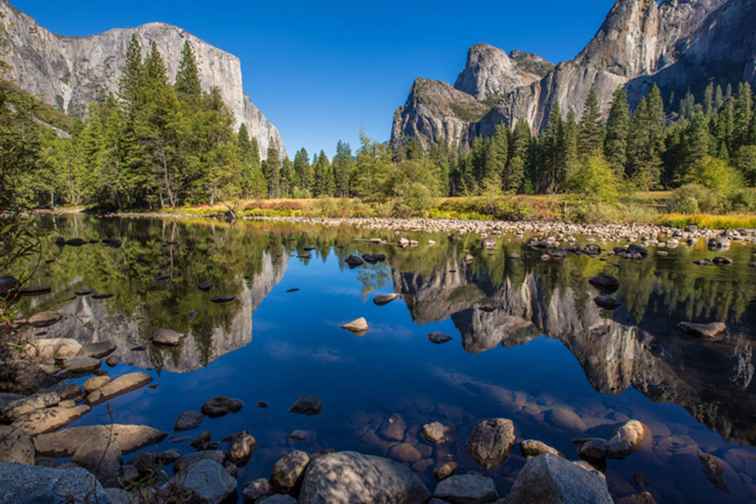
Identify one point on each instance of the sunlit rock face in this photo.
(72, 72)
(92, 321)
(678, 45)
(713, 382)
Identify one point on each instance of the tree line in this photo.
(159, 144)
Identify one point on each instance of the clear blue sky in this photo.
(323, 71)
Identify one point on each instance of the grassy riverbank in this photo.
(636, 208)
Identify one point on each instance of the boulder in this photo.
(445, 470)
(256, 490)
(607, 302)
(604, 282)
(534, 448)
(405, 452)
(710, 331)
(491, 441)
(121, 385)
(49, 349)
(188, 420)
(289, 469)
(100, 455)
(593, 450)
(207, 481)
(66, 442)
(566, 418)
(7, 283)
(28, 484)
(307, 405)
(44, 319)
(120, 496)
(80, 364)
(242, 446)
(95, 383)
(628, 439)
(50, 419)
(30, 404)
(466, 489)
(16, 446)
(348, 477)
(98, 349)
(167, 337)
(393, 428)
(435, 432)
(384, 299)
(192, 458)
(358, 326)
(353, 261)
(220, 406)
(548, 479)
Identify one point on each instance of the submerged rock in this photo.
(628, 439)
(207, 480)
(435, 432)
(354, 261)
(347, 477)
(28, 484)
(242, 446)
(50, 419)
(66, 442)
(491, 441)
(534, 448)
(307, 405)
(445, 470)
(384, 299)
(548, 479)
(393, 428)
(405, 452)
(466, 488)
(221, 405)
(439, 338)
(359, 325)
(257, 489)
(188, 420)
(289, 469)
(121, 385)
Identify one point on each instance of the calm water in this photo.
(273, 345)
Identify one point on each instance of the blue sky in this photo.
(323, 71)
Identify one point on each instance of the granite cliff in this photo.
(676, 44)
(71, 72)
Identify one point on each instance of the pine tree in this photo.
(708, 103)
(550, 142)
(568, 144)
(272, 171)
(188, 84)
(590, 134)
(303, 170)
(496, 158)
(514, 177)
(743, 116)
(343, 168)
(617, 132)
(323, 176)
(696, 144)
(131, 85)
(252, 178)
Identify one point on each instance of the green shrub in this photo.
(743, 200)
(716, 175)
(414, 201)
(745, 162)
(695, 198)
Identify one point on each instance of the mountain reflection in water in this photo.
(505, 300)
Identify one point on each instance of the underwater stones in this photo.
(384, 299)
(393, 428)
(714, 469)
(203, 441)
(466, 489)
(627, 439)
(118, 386)
(167, 337)
(439, 338)
(307, 405)
(405, 452)
(242, 446)
(188, 420)
(289, 469)
(357, 326)
(604, 282)
(445, 470)
(491, 441)
(220, 406)
(435, 432)
(345, 477)
(548, 479)
(593, 450)
(565, 418)
(534, 448)
(711, 330)
(257, 489)
(192, 458)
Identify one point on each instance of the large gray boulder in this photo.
(548, 479)
(467, 489)
(207, 480)
(491, 441)
(15, 446)
(354, 478)
(27, 484)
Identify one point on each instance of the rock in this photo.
(307, 405)
(720, 243)
(491, 441)
(49, 419)
(435, 432)
(98, 350)
(256, 490)
(445, 470)
(7, 283)
(101, 456)
(223, 299)
(439, 338)
(593, 450)
(713, 467)
(607, 302)
(302, 435)
(393, 428)
(354, 261)
(466, 489)
(192, 458)
(722, 261)
(51, 349)
(78, 365)
(289, 469)
(604, 282)
(242, 447)
(566, 419)
(112, 361)
(374, 258)
(167, 337)
(188, 420)
(121, 385)
(548, 479)
(26, 405)
(405, 452)
(205, 285)
(384, 299)
(358, 326)
(534, 448)
(119, 496)
(66, 442)
(207, 480)
(220, 406)
(628, 439)
(639, 498)
(711, 330)
(202, 442)
(27, 484)
(44, 319)
(348, 477)
(95, 383)
(15, 446)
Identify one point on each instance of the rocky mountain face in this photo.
(71, 72)
(676, 44)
